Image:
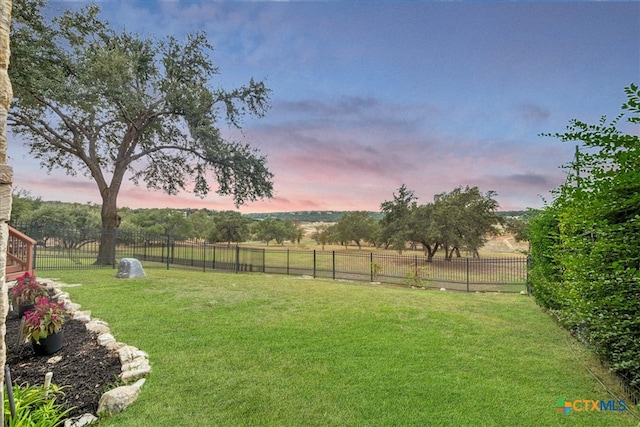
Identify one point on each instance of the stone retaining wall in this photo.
(134, 362)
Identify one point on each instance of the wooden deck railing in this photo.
(20, 254)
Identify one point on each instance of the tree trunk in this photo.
(110, 223)
(6, 178)
(429, 251)
(445, 246)
(448, 252)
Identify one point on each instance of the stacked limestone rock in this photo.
(6, 179)
(134, 362)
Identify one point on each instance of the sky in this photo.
(369, 96)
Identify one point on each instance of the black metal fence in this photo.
(60, 248)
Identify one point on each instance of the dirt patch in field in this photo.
(505, 243)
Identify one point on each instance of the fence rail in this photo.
(59, 248)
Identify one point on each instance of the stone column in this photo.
(6, 178)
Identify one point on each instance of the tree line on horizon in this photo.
(457, 221)
(22, 196)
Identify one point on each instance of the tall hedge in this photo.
(585, 246)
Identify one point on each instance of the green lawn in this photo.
(254, 350)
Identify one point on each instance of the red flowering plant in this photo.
(27, 290)
(46, 318)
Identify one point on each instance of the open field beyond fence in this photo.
(506, 273)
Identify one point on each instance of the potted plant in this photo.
(43, 326)
(26, 292)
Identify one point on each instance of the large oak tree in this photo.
(465, 217)
(104, 104)
(459, 220)
(395, 225)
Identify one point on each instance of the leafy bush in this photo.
(585, 247)
(27, 290)
(46, 318)
(546, 272)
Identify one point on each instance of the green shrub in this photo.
(545, 272)
(585, 247)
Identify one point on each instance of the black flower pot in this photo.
(49, 345)
(23, 308)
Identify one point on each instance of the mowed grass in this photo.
(261, 350)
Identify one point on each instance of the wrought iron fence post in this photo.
(204, 256)
(467, 265)
(114, 246)
(314, 263)
(264, 260)
(371, 265)
(168, 246)
(333, 264)
(237, 258)
(287, 261)
(37, 232)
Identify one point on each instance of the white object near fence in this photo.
(129, 268)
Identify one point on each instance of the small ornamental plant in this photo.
(46, 318)
(27, 290)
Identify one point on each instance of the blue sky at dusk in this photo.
(367, 96)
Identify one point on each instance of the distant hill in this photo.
(334, 216)
(513, 214)
(308, 216)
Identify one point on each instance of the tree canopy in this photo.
(164, 222)
(104, 104)
(459, 220)
(395, 225)
(276, 229)
(356, 227)
(465, 217)
(229, 226)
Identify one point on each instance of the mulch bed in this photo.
(85, 369)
